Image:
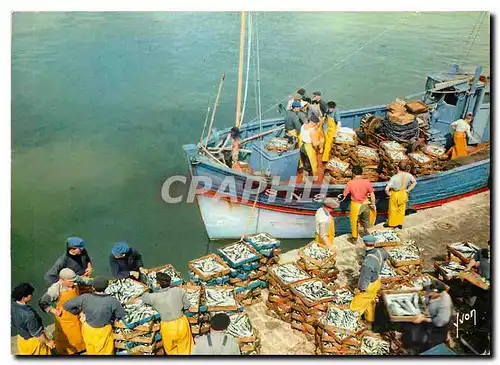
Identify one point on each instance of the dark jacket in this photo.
(121, 268)
(76, 263)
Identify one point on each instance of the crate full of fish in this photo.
(417, 281)
(342, 297)
(449, 269)
(404, 305)
(319, 256)
(148, 276)
(347, 136)
(312, 292)
(435, 151)
(465, 251)
(341, 322)
(126, 290)
(241, 328)
(139, 313)
(278, 144)
(287, 274)
(220, 298)
(375, 345)
(404, 255)
(476, 279)
(238, 254)
(392, 146)
(420, 158)
(388, 273)
(263, 240)
(386, 237)
(209, 267)
(337, 166)
(193, 294)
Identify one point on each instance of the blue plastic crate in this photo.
(132, 325)
(282, 164)
(259, 248)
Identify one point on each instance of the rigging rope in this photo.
(206, 120)
(249, 46)
(477, 33)
(342, 60)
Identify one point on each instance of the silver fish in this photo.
(404, 253)
(344, 136)
(374, 346)
(436, 150)
(385, 235)
(341, 318)
(368, 153)
(289, 273)
(262, 239)
(467, 249)
(240, 326)
(405, 304)
(193, 296)
(238, 252)
(276, 142)
(208, 266)
(392, 146)
(337, 164)
(387, 271)
(452, 268)
(420, 157)
(314, 290)
(342, 296)
(317, 252)
(151, 277)
(138, 311)
(124, 290)
(219, 297)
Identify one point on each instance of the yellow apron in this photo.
(32, 346)
(294, 133)
(331, 232)
(460, 147)
(176, 336)
(98, 341)
(354, 215)
(365, 302)
(397, 205)
(330, 133)
(68, 328)
(311, 155)
(321, 136)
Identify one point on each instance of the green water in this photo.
(102, 102)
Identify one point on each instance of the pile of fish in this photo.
(387, 271)
(404, 253)
(289, 273)
(219, 297)
(237, 253)
(125, 290)
(367, 154)
(405, 304)
(434, 150)
(318, 252)
(193, 296)
(262, 241)
(240, 326)
(139, 313)
(208, 266)
(209, 270)
(150, 277)
(374, 346)
(342, 297)
(419, 158)
(279, 144)
(318, 261)
(346, 135)
(313, 290)
(466, 249)
(451, 268)
(385, 235)
(392, 146)
(335, 165)
(344, 319)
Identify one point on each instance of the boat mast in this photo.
(240, 69)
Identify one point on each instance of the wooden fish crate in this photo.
(314, 264)
(305, 300)
(145, 328)
(273, 242)
(457, 253)
(144, 286)
(375, 336)
(193, 309)
(277, 280)
(442, 273)
(222, 308)
(281, 310)
(475, 279)
(160, 268)
(240, 263)
(201, 328)
(429, 151)
(397, 264)
(146, 338)
(146, 348)
(388, 243)
(203, 277)
(345, 287)
(403, 318)
(427, 276)
(354, 142)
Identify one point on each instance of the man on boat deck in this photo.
(31, 336)
(125, 261)
(325, 226)
(175, 329)
(295, 116)
(68, 329)
(461, 128)
(333, 124)
(369, 282)
(361, 209)
(75, 258)
(216, 342)
(309, 138)
(99, 311)
(398, 188)
(316, 99)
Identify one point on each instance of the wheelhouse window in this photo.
(486, 98)
(450, 98)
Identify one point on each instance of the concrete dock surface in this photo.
(432, 229)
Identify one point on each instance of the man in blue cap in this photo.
(369, 282)
(125, 261)
(75, 258)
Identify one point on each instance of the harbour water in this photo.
(102, 102)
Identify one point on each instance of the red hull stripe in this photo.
(275, 208)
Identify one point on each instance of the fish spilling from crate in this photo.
(208, 266)
(239, 252)
(387, 271)
(279, 144)
(138, 312)
(374, 346)
(314, 290)
(452, 268)
(240, 326)
(341, 318)
(404, 304)
(385, 235)
(336, 164)
(289, 273)
(317, 252)
(217, 297)
(404, 253)
(124, 290)
(467, 249)
(170, 270)
(342, 297)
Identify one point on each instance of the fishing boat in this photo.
(285, 206)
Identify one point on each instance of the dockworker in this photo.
(68, 329)
(325, 226)
(309, 138)
(461, 128)
(295, 117)
(99, 311)
(316, 99)
(481, 262)
(432, 331)
(398, 188)
(125, 261)
(333, 124)
(75, 258)
(369, 282)
(31, 336)
(170, 302)
(216, 342)
(361, 209)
